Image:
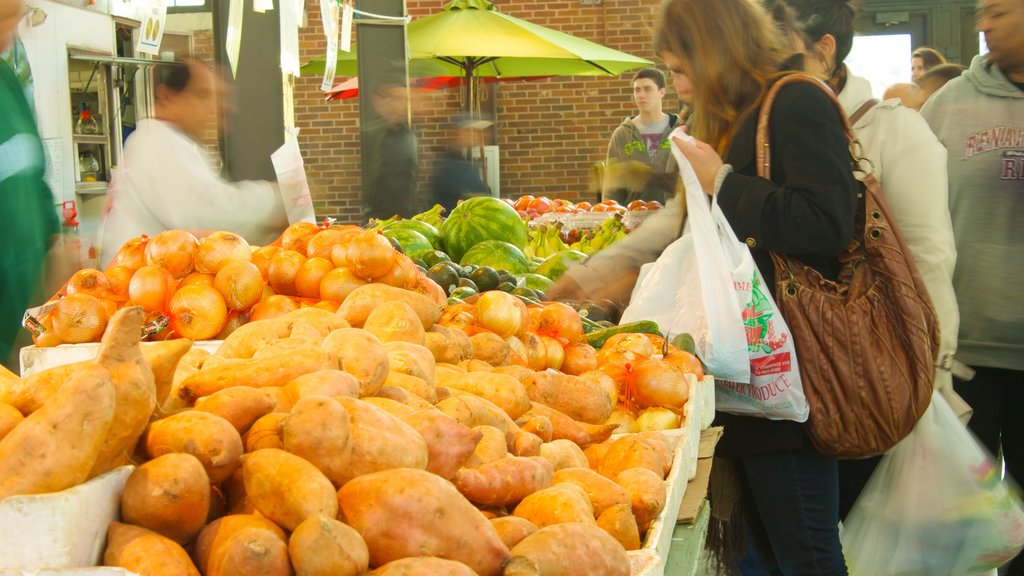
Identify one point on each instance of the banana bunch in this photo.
(377, 224)
(433, 216)
(545, 240)
(609, 232)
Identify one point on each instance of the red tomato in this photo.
(584, 206)
(523, 202)
(542, 205)
(637, 205)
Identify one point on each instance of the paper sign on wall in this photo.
(289, 10)
(233, 38)
(291, 179)
(331, 10)
(154, 16)
(346, 27)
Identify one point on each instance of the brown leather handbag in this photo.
(868, 341)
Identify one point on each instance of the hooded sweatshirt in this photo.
(628, 145)
(979, 117)
(910, 164)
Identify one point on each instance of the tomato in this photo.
(637, 205)
(542, 205)
(523, 203)
(584, 206)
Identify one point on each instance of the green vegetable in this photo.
(597, 338)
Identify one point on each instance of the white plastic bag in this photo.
(291, 180)
(934, 506)
(707, 284)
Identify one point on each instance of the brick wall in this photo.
(550, 132)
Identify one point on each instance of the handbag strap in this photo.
(864, 109)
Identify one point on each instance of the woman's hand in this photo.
(705, 162)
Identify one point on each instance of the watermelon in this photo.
(559, 262)
(432, 234)
(413, 243)
(498, 255)
(480, 219)
(535, 281)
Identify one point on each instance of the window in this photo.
(982, 45)
(188, 6)
(883, 60)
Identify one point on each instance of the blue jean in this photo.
(794, 522)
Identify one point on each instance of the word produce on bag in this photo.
(935, 506)
(867, 341)
(715, 293)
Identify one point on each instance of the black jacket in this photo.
(806, 211)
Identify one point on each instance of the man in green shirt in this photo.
(28, 219)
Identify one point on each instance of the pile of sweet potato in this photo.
(341, 444)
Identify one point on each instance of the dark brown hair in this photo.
(657, 76)
(929, 56)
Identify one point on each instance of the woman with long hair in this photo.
(731, 50)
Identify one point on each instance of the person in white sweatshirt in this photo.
(165, 180)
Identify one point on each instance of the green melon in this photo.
(480, 219)
(432, 234)
(498, 255)
(414, 244)
(559, 262)
(535, 281)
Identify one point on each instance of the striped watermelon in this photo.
(480, 219)
(498, 255)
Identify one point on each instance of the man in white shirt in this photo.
(165, 180)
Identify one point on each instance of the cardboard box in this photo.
(697, 491)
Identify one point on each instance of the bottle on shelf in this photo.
(69, 226)
(88, 166)
(86, 123)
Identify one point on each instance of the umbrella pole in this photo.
(474, 108)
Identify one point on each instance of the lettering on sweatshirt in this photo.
(1007, 138)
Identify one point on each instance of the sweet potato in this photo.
(396, 409)
(405, 512)
(472, 411)
(273, 369)
(555, 505)
(490, 348)
(169, 495)
(574, 549)
(474, 365)
(287, 489)
(239, 405)
(595, 454)
(362, 355)
(363, 300)
(660, 443)
(211, 439)
(512, 529)
(144, 552)
(237, 499)
(395, 321)
(577, 398)
(422, 566)
(602, 492)
(189, 364)
(163, 359)
(647, 494)
(514, 370)
(523, 443)
(267, 432)
(323, 321)
(539, 426)
(565, 428)
(134, 387)
(250, 337)
(55, 447)
(630, 451)
(505, 481)
(502, 390)
(379, 441)
(399, 394)
(242, 545)
(619, 523)
(492, 446)
(283, 401)
(9, 418)
(329, 383)
(218, 504)
(412, 384)
(441, 342)
(449, 444)
(318, 430)
(323, 546)
(563, 454)
(411, 359)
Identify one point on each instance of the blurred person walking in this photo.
(392, 161)
(979, 118)
(455, 177)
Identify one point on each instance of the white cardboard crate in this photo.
(99, 571)
(61, 530)
(650, 559)
(33, 359)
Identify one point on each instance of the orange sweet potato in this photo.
(267, 432)
(329, 383)
(539, 426)
(514, 370)
(505, 481)
(411, 359)
(502, 390)
(396, 409)
(237, 499)
(492, 446)
(647, 494)
(421, 566)
(362, 355)
(406, 512)
(211, 439)
(412, 384)
(318, 430)
(490, 348)
(574, 549)
(400, 394)
(250, 337)
(449, 444)
(275, 368)
(242, 545)
(134, 387)
(631, 451)
(380, 441)
(595, 454)
(189, 364)
(322, 546)
(618, 521)
(563, 454)
(163, 359)
(602, 492)
(239, 405)
(9, 418)
(470, 410)
(57, 445)
(446, 346)
(287, 489)
(141, 551)
(577, 398)
(512, 529)
(660, 443)
(555, 505)
(395, 321)
(363, 300)
(323, 321)
(169, 495)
